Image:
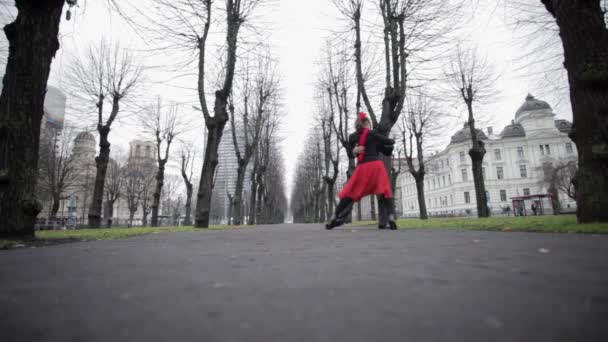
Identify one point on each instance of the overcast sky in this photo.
(296, 30)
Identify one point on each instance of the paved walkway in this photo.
(302, 283)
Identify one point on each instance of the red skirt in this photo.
(368, 179)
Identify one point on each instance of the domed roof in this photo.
(82, 136)
(514, 130)
(563, 126)
(531, 104)
(464, 134)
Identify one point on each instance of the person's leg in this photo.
(390, 213)
(383, 212)
(341, 215)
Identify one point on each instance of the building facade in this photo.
(513, 166)
(225, 178)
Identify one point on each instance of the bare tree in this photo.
(334, 93)
(559, 176)
(410, 27)
(33, 42)
(472, 79)
(135, 175)
(186, 25)
(584, 34)
(308, 196)
(187, 171)
(421, 123)
(146, 196)
(171, 199)
(163, 123)
(252, 117)
(113, 188)
(261, 160)
(106, 76)
(56, 166)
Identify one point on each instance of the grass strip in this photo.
(543, 224)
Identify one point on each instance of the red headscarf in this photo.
(363, 136)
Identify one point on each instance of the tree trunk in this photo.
(421, 201)
(238, 193)
(331, 196)
(102, 168)
(110, 213)
(160, 182)
(252, 201)
(480, 188)
(33, 42)
(144, 219)
(131, 216)
(258, 208)
(349, 173)
(188, 206)
(585, 40)
(554, 199)
(205, 188)
(55, 208)
(372, 205)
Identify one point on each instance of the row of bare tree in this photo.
(411, 30)
(33, 42)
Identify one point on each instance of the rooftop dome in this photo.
(84, 136)
(514, 130)
(563, 126)
(464, 134)
(531, 104)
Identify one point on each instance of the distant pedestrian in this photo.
(534, 208)
(370, 176)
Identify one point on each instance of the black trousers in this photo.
(386, 210)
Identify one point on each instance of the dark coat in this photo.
(375, 144)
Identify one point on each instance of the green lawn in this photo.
(548, 224)
(116, 233)
(47, 237)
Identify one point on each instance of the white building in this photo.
(513, 165)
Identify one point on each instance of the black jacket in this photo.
(376, 143)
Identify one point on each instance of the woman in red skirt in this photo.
(370, 176)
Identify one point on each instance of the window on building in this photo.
(526, 192)
(520, 151)
(542, 150)
(450, 179)
(447, 162)
(451, 199)
(483, 172)
(497, 155)
(523, 171)
(503, 195)
(569, 148)
(465, 175)
(138, 151)
(500, 174)
(547, 149)
(467, 197)
(462, 156)
(148, 154)
(442, 180)
(433, 183)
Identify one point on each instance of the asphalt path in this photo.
(302, 283)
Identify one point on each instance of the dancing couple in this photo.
(370, 176)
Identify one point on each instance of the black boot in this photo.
(390, 210)
(382, 213)
(342, 211)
